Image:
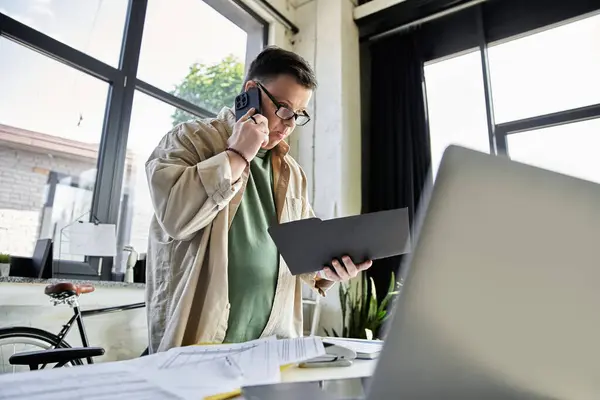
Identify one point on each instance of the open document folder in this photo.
(307, 245)
(192, 372)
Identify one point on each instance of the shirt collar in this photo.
(228, 115)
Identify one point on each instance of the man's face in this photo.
(288, 93)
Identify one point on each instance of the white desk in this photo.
(358, 369)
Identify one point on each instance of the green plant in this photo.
(211, 86)
(4, 258)
(362, 316)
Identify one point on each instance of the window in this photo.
(570, 149)
(151, 119)
(546, 72)
(62, 137)
(51, 119)
(456, 105)
(94, 27)
(552, 71)
(188, 38)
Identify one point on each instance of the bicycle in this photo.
(52, 348)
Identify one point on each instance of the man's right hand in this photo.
(247, 138)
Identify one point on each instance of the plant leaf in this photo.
(343, 304)
(390, 293)
(392, 285)
(373, 301)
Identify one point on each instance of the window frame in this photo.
(483, 25)
(123, 82)
(475, 24)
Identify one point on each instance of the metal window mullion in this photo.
(501, 141)
(52, 48)
(487, 84)
(113, 149)
(172, 100)
(552, 119)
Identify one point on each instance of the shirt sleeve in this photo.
(186, 191)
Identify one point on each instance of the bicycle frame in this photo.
(78, 316)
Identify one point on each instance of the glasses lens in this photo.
(284, 113)
(302, 119)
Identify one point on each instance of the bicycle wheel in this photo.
(19, 339)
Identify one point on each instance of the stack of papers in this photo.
(365, 349)
(192, 372)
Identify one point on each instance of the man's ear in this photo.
(249, 85)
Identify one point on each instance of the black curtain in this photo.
(397, 155)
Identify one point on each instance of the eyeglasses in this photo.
(285, 112)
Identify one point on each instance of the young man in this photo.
(213, 272)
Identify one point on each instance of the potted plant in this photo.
(362, 315)
(4, 264)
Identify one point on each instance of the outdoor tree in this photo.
(210, 86)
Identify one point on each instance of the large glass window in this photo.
(192, 51)
(151, 119)
(570, 149)
(456, 105)
(54, 120)
(51, 119)
(551, 71)
(554, 70)
(94, 27)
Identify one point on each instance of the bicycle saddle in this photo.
(67, 289)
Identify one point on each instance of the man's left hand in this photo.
(345, 270)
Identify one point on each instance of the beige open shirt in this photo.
(194, 201)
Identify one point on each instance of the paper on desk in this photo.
(189, 379)
(259, 362)
(193, 379)
(288, 350)
(256, 363)
(105, 381)
(182, 373)
(299, 349)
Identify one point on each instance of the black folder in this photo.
(310, 244)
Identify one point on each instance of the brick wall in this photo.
(23, 178)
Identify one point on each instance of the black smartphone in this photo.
(247, 100)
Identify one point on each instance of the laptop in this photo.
(502, 292)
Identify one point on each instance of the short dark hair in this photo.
(274, 61)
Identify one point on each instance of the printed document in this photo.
(104, 381)
(191, 372)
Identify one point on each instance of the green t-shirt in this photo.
(253, 258)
